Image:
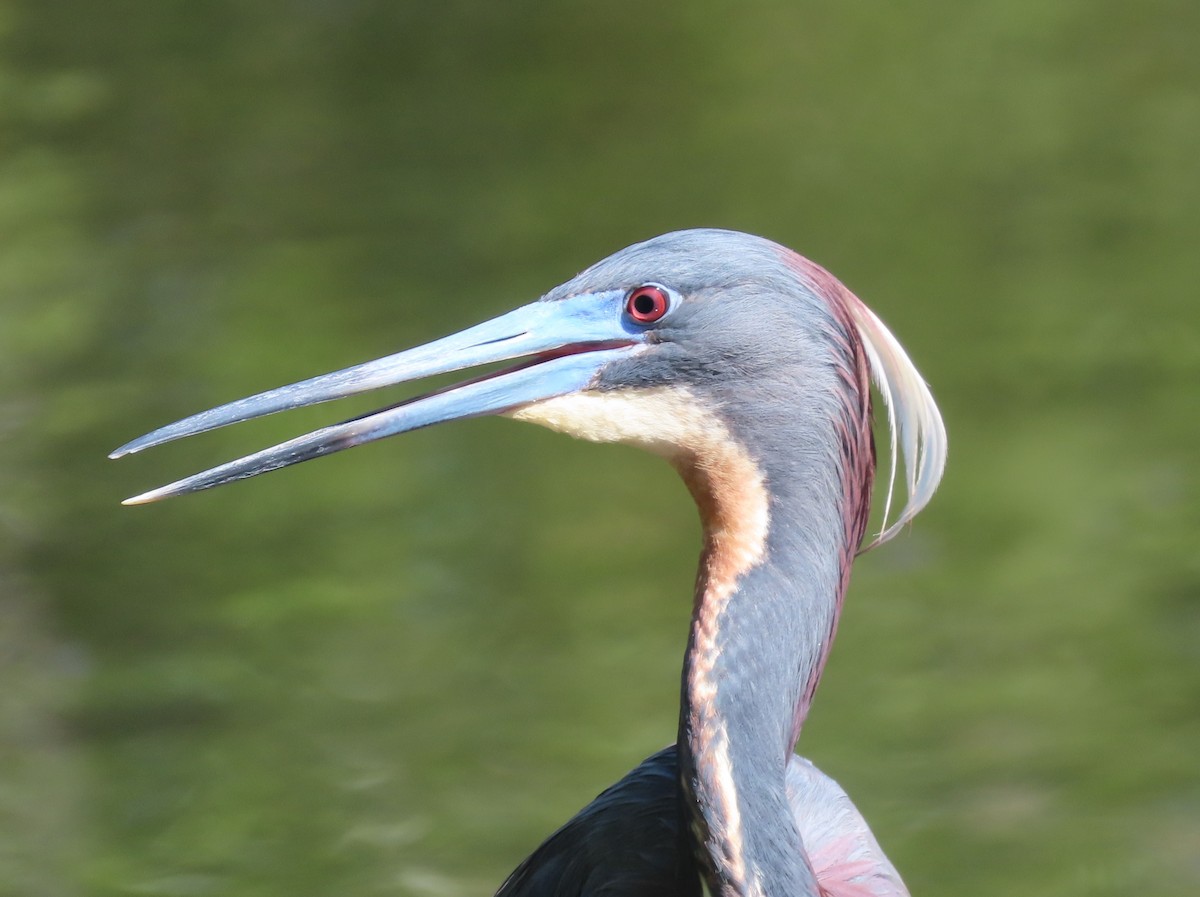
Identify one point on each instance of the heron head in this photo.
(662, 344)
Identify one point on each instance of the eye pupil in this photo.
(646, 304)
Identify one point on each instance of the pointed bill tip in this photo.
(144, 442)
(147, 497)
(155, 437)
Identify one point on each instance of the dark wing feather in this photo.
(628, 842)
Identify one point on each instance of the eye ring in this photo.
(647, 303)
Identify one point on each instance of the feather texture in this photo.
(915, 426)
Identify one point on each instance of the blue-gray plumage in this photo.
(633, 841)
(749, 369)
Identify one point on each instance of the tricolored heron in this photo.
(749, 368)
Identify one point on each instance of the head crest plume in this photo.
(914, 423)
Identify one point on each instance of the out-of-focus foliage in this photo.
(398, 669)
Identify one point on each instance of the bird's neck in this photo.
(779, 535)
(777, 550)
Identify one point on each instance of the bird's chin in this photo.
(665, 420)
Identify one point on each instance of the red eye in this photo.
(646, 304)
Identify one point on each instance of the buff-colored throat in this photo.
(731, 493)
(727, 484)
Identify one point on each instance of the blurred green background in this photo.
(396, 670)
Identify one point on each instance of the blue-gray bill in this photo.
(562, 345)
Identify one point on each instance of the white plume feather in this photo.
(914, 422)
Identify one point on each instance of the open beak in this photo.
(562, 344)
